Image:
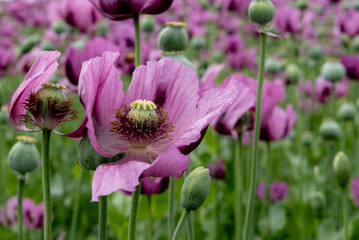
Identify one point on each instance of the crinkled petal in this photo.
(100, 90)
(41, 71)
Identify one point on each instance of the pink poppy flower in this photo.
(355, 190)
(171, 121)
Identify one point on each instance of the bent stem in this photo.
(75, 211)
(182, 221)
(20, 188)
(136, 21)
(133, 214)
(171, 199)
(257, 124)
(46, 182)
(102, 215)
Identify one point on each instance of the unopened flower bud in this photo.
(354, 44)
(198, 43)
(261, 11)
(147, 23)
(173, 37)
(330, 129)
(59, 27)
(315, 53)
(346, 112)
(307, 139)
(272, 66)
(317, 202)
(333, 71)
(47, 46)
(341, 169)
(195, 188)
(29, 44)
(88, 158)
(302, 4)
(293, 73)
(24, 156)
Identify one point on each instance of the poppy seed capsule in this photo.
(341, 169)
(195, 188)
(24, 156)
(330, 129)
(346, 112)
(59, 27)
(148, 23)
(294, 73)
(173, 37)
(143, 112)
(307, 139)
(272, 66)
(198, 43)
(261, 11)
(333, 71)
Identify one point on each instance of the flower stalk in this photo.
(20, 188)
(46, 182)
(102, 214)
(136, 21)
(238, 178)
(257, 124)
(171, 199)
(182, 221)
(76, 208)
(133, 214)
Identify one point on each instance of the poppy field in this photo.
(179, 119)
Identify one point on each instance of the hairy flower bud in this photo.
(24, 156)
(261, 11)
(347, 112)
(341, 169)
(195, 188)
(330, 129)
(173, 37)
(333, 71)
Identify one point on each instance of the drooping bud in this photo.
(261, 11)
(272, 66)
(330, 129)
(333, 71)
(317, 202)
(341, 169)
(88, 158)
(173, 38)
(59, 27)
(147, 23)
(195, 188)
(347, 111)
(24, 156)
(143, 112)
(29, 44)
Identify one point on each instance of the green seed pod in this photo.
(315, 53)
(341, 169)
(181, 58)
(261, 11)
(346, 112)
(198, 43)
(307, 139)
(28, 44)
(195, 188)
(24, 156)
(333, 71)
(317, 202)
(147, 23)
(330, 129)
(294, 73)
(88, 158)
(302, 4)
(59, 27)
(47, 46)
(354, 44)
(173, 37)
(51, 91)
(272, 66)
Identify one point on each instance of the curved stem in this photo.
(257, 124)
(20, 188)
(149, 217)
(238, 178)
(134, 211)
(46, 182)
(102, 215)
(75, 211)
(136, 21)
(190, 228)
(182, 221)
(345, 215)
(171, 199)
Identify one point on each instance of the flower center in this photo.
(142, 124)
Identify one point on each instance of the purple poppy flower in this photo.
(123, 9)
(351, 64)
(30, 213)
(323, 89)
(3, 217)
(11, 208)
(175, 120)
(279, 124)
(355, 190)
(74, 57)
(261, 190)
(154, 185)
(26, 98)
(347, 22)
(41, 215)
(278, 191)
(217, 169)
(6, 57)
(288, 20)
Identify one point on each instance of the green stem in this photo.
(76, 208)
(345, 215)
(3, 175)
(185, 10)
(218, 210)
(102, 218)
(268, 184)
(238, 178)
(149, 217)
(20, 188)
(190, 228)
(134, 211)
(257, 124)
(46, 182)
(171, 199)
(136, 21)
(182, 221)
